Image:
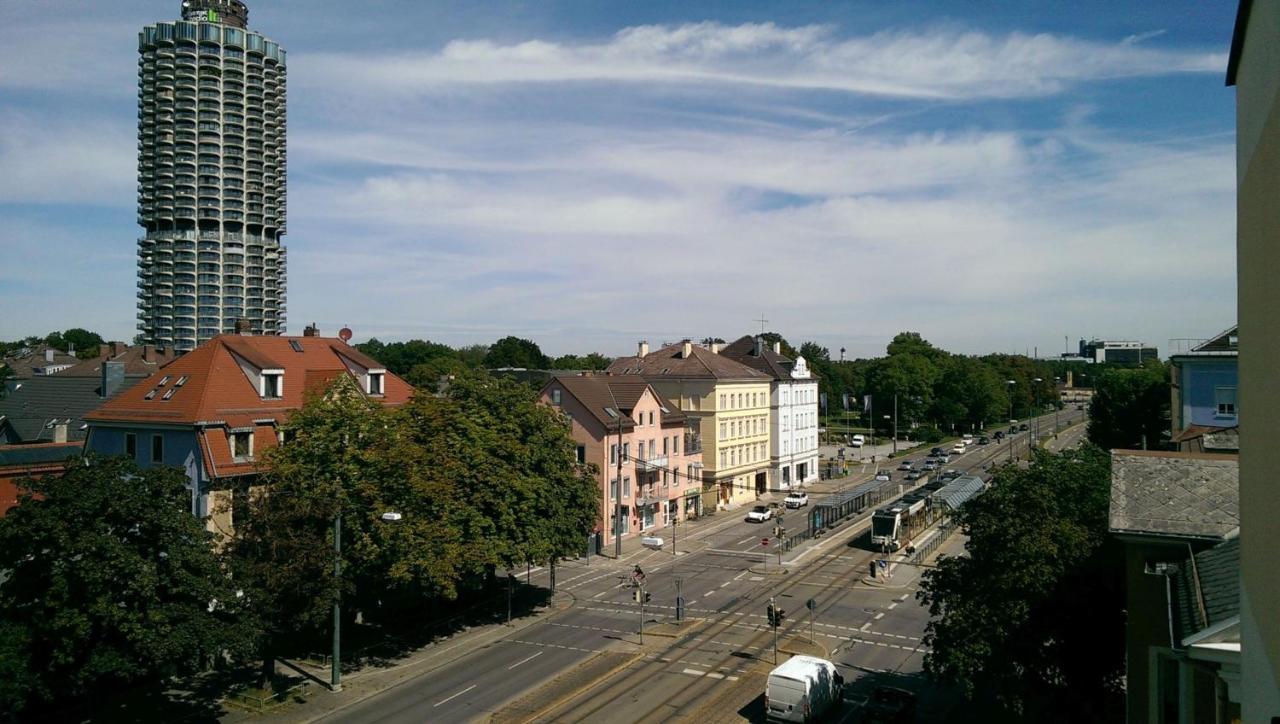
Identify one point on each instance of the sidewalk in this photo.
(318, 703)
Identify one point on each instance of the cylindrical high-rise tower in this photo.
(211, 176)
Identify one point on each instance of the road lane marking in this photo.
(893, 606)
(740, 575)
(714, 675)
(693, 672)
(525, 661)
(903, 597)
(757, 578)
(865, 626)
(748, 539)
(598, 595)
(722, 585)
(708, 593)
(455, 696)
(880, 615)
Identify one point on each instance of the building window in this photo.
(376, 386)
(1225, 397)
(555, 397)
(272, 385)
(641, 450)
(613, 454)
(241, 445)
(131, 445)
(157, 448)
(675, 444)
(626, 451)
(626, 487)
(582, 453)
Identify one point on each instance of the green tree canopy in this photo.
(1033, 614)
(592, 361)
(1131, 406)
(110, 581)
(516, 352)
(85, 342)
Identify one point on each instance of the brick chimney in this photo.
(148, 353)
(311, 330)
(644, 348)
(48, 354)
(104, 350)
(242, 326)
(759, 347)
(118, 348)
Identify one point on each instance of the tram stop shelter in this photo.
(958, 492)
(839, 506)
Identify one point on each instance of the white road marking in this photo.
(722, 585)
(598, 595)
(893, 606)
(731, 678)
(740, 575)
(865, 626)
(525, 661)
(904, 597)
(757, 578)
(708, 593)
(455, 696)
(880, 615)
(693, 672)
(714, 675)
(748, 539)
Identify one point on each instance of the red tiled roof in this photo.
(216, 389)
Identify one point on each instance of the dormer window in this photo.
(272, 385)
(376, 382)
(241, 444)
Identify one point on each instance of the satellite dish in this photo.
(344, 334)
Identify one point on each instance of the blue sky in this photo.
(587, 174)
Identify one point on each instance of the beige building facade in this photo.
(1252, 69)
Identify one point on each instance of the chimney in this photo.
(777, 347)
(71, 349)
(112, 378)
(48, 355)
(686, 349)
(118, 348)
(644, 348)
(60, 431)
(148, 353)
(104, 350)
(1069, 378)
(759, 349)
(242, 326)
(311, 330)
(715, 348)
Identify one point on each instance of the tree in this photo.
(516, 352)
(400, 357)
(593, 361)
(787, 350)
(1130, 408)
(111, 581)
(85, 342)
(1033, 615)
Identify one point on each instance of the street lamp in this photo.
(1011, 383)
(895, 425)
(1038, 411)
(1056, 382)
(335, 673)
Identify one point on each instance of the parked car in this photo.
(759, 514)
(796, 499)
(984, 440)
(803, 689)
(883, 476)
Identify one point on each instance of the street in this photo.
(588, 663)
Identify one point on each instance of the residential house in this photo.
(1251, 68)
(1167, 508)
(51, 407)
(728, 401)
(38, 361)
(1205, 405)
(31, 461)
(793, 410)
(637, 442)
(216, 409)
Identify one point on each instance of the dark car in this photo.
(890, 704)
(1022, 427)
(935, 452)
(999, 435)
(984, 440)
(1013, 429)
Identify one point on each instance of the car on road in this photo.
(796, 499)
(967, 438)
(803, 689)
(999, 435)
(958, 449)
(857, 441)
(935, 452)
(1013, 429)
(1022, 427)
(759, 514)
(883, 476)
(951, 474)
(931, 465)
(943, 459)
(984, 440)
(915, 475)
(889, 704)
(906, 465)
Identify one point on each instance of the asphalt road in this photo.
(714, 669)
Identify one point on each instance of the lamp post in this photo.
(895, 430)
(1056, 405)
(1036, 426)
(335, 673)
(1011, 384)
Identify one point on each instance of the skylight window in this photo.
(150, 395)
(163, 381)
(297, 346)
(169, 393)
(611, 412)
(181, 381)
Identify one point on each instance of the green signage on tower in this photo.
(213, 16)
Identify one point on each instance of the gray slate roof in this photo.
(1185, 495)
(1217, 571)
(27, 409)
(18, 455)
(771, 363)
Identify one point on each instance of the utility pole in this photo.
(617, 499)
(335, 675)
(895, 422)
(679, 602)
(641, 597)
(510, 586)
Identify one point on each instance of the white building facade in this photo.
(793, 411)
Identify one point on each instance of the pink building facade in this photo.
(646, 457)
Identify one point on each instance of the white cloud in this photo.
(944, 64)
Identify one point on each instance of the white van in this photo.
(802, 689)
(857, 441)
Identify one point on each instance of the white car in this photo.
(759, 514)
(906, 465)
(958, 449)
(797, 499)
(857, 441)
(883, 477)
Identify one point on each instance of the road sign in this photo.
(811, 604)
(883, 564)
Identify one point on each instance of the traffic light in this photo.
(772, 614)
(647, 596)
(778, 617)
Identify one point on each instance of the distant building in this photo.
(216, 409)
(1174, 511)
(730, 404)
(622, 425)
(1205, 401)
(1251, 68)
(38, 361)
(1113, 352)
(793, 411)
